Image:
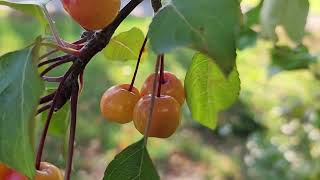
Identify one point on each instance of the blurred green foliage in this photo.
(271, 133)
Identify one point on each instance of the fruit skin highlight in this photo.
(48, 172)
(165, 119)
(117, 103)
(171, 86)
(92, 14)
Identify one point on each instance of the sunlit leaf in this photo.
(212, 30)
(31, 7)
(125, 46)
(20, 90)
(132, 163)
(208, 91)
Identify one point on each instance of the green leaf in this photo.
(212, 30)
(292, 15)
(125, 46)
(59, 122)
(31, 7)
(20, 90)
(294, 19)
(132, 163)
(286, 58)
(208, 91)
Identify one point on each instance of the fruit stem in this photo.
(162, 70)
(46, 126)
(161, 78)
(48, 54)
(64, 49)
(52, 26)
(47, 98)
(138, 63)
(44, 108)
(52, 79)
(74, 103)
(53, 60)
(153, 98)
(51, 67)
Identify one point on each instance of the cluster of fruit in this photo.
(47, 171)
(124, 103)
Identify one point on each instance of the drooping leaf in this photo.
(291, 14)
(31, 7)
(132, 163)
(212, 30)
(20, 90)
(208, 91)
(285, 58)
(125, 46)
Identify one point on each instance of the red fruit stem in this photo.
(161, 77)
(61, 58)
(74, 103)
(47, 98)
(44, 108)
(138, 63)
(51, 67)
(46, 126)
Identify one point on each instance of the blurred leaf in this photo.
(59, 122)
(291, 14)
(132, 163)
(294, 18)
(178, 25)
(31, 7)
(208, 91)
(252, 17)
(247, 38)
(20, 90)
(125, 46)
(285, 58)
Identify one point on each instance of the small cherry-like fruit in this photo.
(165, 116)
(171, 86)
(14, 175)
(48, 171)
(117, 103)
(92, 14)
(4, 170)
